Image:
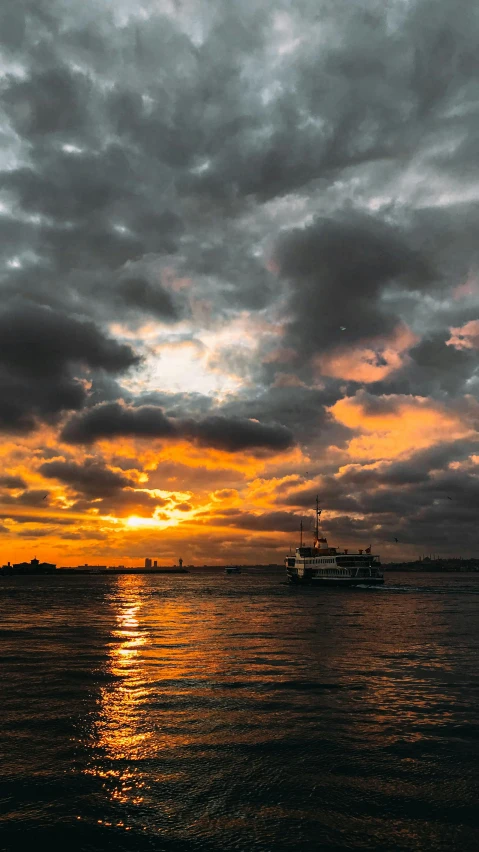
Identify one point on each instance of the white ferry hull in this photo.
(321, 565)
(346, 582)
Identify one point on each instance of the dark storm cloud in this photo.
(39, 342)
(234, 435)
(91, 478)
(439, 368)
(160, 129)
(332, 495)
(177, 404)
(338, 270)
(199, 104)
(302, 410)
(266, 522)
(21, 518)
(414, 470)
(111, 420)
(85, 535)
(34, 497)
(28, 497)
(141, 294)
(54, 100)
(230, 434)
(12, 482)
(415, 500)
(37, 532)
(431, 369)
(399, 487)
(41, 353)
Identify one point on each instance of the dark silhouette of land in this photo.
(441, 564)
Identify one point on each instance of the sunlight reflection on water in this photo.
(204, 714)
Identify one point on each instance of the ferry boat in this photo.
(321, 565)
(232, 569)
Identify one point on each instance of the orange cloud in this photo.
(393, 425)
(370, 361)
(465, 337)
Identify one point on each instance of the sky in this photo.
(239, 268)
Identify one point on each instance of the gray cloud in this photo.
(339, 269)
(265, 522)
(91, 478)
(235, 434)
(230, 434)
(12, 482)
(43, 354)
(156, 301)
(110, 420)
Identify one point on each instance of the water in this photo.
(206, 712)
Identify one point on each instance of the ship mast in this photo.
(317, 518)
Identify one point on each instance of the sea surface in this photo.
(207, 713)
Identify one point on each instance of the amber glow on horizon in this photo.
(182, 499)
(186, 521)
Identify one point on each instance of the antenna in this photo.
(301, 533)
(317, 516)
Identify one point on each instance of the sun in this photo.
(135, 522)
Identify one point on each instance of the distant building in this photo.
(155, 564)
(32, 567)
(92, 567)
(147, 562)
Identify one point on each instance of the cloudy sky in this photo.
(240, 260)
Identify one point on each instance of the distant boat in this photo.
(321, 565)
(232, 569)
